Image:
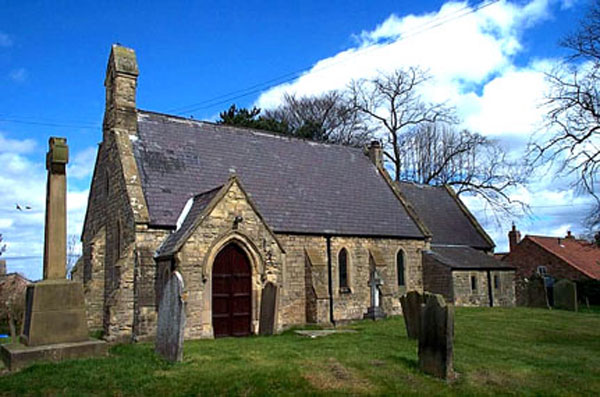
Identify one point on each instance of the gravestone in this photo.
(565, 295)
(436, 337)
(411, 311)
(536, 293)
(268, 304)
(171, 319)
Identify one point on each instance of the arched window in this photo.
(343, 268)
(400, 268)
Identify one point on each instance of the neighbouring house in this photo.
(234, 209)
(553, 258)
(460, 263)
(12, 298)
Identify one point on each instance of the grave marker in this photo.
(268, 304)
(536, 293)
(436, 337)
(171, 319)
(411, 311)
(565, 295)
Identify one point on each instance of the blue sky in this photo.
(53, 57)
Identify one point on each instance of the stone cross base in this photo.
(17, 356)
(374, 313)
(55, 327)
(54, 313)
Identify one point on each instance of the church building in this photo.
(235, 210)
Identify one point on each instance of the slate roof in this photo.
(465, 258)
(443, 215)
(580, 254)
(200, 202)
(298, 186)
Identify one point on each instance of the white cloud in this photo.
(8, 145)
(510, 104)
(18, 75)
(462, 51)
(82, 164)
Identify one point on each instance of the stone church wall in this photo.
(353, 305)
(504, 291)
(437, 278)
(196, 256)
(464, 294)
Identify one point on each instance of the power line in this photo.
(285, 78)
(87, 125)
(265, 85)
(542, 206)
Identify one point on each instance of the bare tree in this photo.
(394, 104)
(73, 252)
(2, 246)
(573, 116)
(438, 154)
(326, 118)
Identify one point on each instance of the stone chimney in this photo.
(569, 236)
(375, 153)
(121, 83)
(514, 237)
(2, 267)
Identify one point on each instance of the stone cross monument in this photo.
(375, 312)
(55, 325)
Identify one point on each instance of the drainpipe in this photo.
(330, 271)
(491, 295)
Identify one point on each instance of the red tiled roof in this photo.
(580, 254)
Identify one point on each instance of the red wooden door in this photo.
(231, 293)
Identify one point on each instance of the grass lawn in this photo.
(497, 351)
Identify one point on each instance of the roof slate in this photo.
(440, 212)
(580, 254)
(200, 202)
(462, 257)
(298, 186)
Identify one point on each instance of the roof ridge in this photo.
(564, 238)
(255, 130)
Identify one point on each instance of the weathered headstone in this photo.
(268, 304)
(171, 319)
(535, 292)
(436, 337)
(565, 295)
(411, 311)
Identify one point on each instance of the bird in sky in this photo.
(22, 207)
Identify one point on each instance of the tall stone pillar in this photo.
(55, 233)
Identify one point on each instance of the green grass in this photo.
(497, 351)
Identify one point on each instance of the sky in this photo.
(487, 59)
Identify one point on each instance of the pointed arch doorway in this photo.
(231, 292)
